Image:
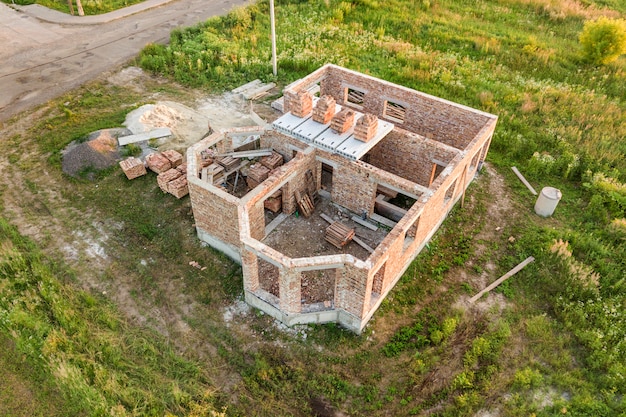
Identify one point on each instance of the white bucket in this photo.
(547, 201)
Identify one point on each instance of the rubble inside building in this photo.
(363, 172)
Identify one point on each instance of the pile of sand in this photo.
(99, 151)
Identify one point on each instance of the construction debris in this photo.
(503, 278)
(133, 167)
(158, 163)
(524, 181)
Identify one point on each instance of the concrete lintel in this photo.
(266, 253)
(318, 262)
(418, 187)
(333, 164)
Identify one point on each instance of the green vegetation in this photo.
(90, 7)
(604, 40)
(100, 364)
(550, 341)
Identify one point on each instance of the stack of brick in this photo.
(174, 157)
(207, 157)
(272, 161)
(366, 127)
(300, 104)
(324, 110)
(182, 168)
(256, 175)
(228, 162)
(164, 178)
(274, 202)
(158, 163)
(133, 167)
(178, 187)
(342, 121)
(214, 172)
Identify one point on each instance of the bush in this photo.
(603, 40)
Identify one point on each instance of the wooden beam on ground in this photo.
(362, 244)
(364, 223)
(383, 220)
(523, 180)
(503, 278)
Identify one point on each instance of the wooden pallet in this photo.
(311, 189)
(305, 204)
(338, 234)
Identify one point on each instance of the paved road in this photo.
(42, 57)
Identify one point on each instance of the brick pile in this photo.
(133, 167)
(256, 175)
(366, 127)
(165, 177)
(158, 163)
(174, 157)
(324, 110)
(178, 187)
(228, 162)
(182, 168)
(342, 121)
(173, 181)
(274, 202)
(301, 104)
(272, 161)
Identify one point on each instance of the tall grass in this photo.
(101, 365)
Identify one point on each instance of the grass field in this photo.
(142, 333)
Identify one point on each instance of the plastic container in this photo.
(547, 201)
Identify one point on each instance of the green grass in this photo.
(99, 363)
(91, 7)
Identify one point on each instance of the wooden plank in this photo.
(383, 220)
(247, 86)
(523, 180)
(325, 217)
(432, 175)
(142, 137)
(365, 223)
(503, 278)
(247, 154)
(362, 244)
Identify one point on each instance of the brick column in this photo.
(250, 268)
(290, 284)
(352, 290)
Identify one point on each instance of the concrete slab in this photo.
(141, 137)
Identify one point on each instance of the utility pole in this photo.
(273, 29)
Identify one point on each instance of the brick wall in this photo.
(426, 115)
(353, 290)
(409, 156)
(216, 216)
(352, 187)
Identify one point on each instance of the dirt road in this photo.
(42, 60)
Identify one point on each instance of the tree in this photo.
(603, 40)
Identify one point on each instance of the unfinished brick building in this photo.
(383, 164)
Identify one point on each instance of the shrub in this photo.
(603, 40)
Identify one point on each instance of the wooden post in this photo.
(432, 175)
(464, 182)
(503, 278)
(523, 180)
